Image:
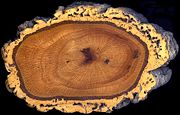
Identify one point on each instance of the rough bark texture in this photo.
(137, 40)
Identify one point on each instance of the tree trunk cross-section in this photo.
(77, 60)
(88, 57)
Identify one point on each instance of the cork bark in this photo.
(88, 57)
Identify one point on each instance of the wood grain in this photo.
(78, 60)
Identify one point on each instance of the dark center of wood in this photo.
(89, 57)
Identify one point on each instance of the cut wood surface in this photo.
(88, 57)
(78, 60)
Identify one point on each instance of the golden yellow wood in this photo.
(89, 57)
